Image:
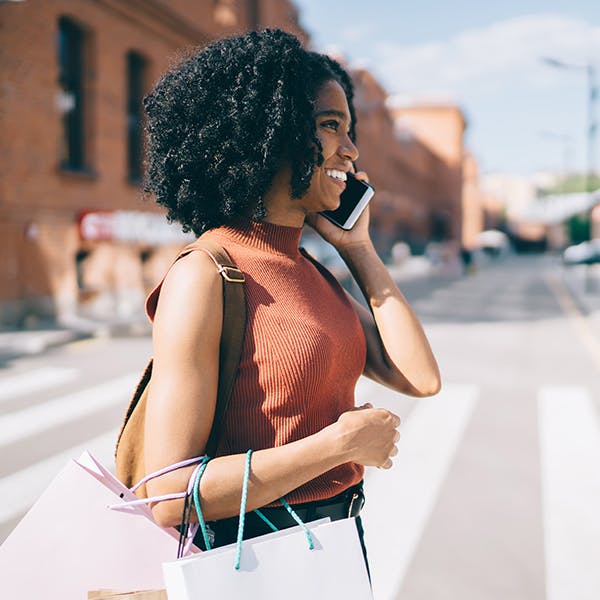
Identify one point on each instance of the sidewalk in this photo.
(15, 343)
(583, 282)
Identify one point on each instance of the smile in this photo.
(341, 175)
(338, 177)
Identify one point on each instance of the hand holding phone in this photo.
(353, 201)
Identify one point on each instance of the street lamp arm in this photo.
(559, 64)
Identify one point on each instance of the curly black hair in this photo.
(222, 121)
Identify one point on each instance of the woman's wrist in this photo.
(334, 444)
(353, 251)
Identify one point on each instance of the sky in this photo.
(523, 115)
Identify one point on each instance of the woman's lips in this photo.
(341, 184)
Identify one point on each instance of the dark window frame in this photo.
(73, 71)
(136, 75)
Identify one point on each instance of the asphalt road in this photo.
(495, 491)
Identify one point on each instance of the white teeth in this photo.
(341, 175)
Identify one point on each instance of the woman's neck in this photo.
(281, 208)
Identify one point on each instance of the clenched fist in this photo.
(368, 435)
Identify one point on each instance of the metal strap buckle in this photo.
(232, 274)
(351, 505)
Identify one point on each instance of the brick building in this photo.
(414, 157)
(73, 76)
(76, 236)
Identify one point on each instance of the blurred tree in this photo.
(578, 226)
(576, 182)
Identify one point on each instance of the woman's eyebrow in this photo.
(331, 112)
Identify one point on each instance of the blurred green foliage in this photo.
(578, 226)
(576, 182)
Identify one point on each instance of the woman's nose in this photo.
(348, 150)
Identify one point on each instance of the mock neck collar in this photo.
(268, 237)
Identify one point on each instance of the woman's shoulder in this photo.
(193, 272)
(191, 285)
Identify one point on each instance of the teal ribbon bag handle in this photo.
(240, 535)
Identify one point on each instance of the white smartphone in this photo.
(353, 201)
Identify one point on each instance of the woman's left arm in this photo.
(398, 353)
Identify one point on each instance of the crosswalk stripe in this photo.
(21, 489)
(16, 386)
(406, 495)
(35, 419)
(570, 463)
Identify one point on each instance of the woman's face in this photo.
(332, 117)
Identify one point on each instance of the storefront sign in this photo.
(130, 226)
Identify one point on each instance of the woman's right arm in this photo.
(181, 405)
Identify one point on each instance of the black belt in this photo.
(344, 505)
(347, 504)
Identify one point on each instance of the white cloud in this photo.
(356, 33)
(488, 56)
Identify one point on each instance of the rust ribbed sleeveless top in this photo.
(303, 351)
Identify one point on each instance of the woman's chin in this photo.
(333, 204)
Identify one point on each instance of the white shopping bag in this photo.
(71, 542)
(277, 565)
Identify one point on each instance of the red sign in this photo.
(97, 225)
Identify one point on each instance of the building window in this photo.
(440, 226)
(136, 69)
(71, 73)
(80, 259)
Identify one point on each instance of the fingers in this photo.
(395, 419)
(388, 464)
(362, 176)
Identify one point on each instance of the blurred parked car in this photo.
(494, 242)
(586, 253)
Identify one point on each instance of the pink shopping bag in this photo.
(71, 542)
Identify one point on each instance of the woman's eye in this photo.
(331, 125)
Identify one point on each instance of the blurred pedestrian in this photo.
(248, 139)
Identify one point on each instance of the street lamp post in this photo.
(591, 127)
(565, 142)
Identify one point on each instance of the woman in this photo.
(248, 140)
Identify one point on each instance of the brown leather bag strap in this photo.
(232, 335)
(230, 349)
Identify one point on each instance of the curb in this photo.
(21, 343)
(588, 303)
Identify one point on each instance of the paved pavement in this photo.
(494, 492)
(583, 283)
(416, 277)
(38, 338)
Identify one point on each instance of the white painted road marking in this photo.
(576, 317)
(16, 386)
(570, 463)
(35, 419)
(21, 489)
(406, 495)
